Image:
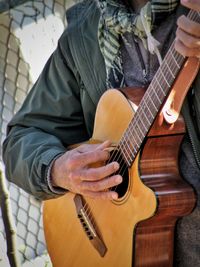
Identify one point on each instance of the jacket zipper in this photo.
(189, 131)
(144, 70)
(192, 143)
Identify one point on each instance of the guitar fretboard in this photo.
(152, 101)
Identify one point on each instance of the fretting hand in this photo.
(187, 40)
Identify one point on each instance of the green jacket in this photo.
(60, 107)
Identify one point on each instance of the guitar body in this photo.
(154, 191)
(67, 243)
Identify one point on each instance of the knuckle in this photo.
(180, 48)
(110, 169)
(107, 154)
(90, 194)
(184, 52)
(72, 161)
(96, 155)
(71, 177)
(79, 188)
(95, 186)
(195, 28)
(102, 155)
(195, 53)
(180, 20)
(103, 196)
(83, 148)
(72, 181)
(178, 33)
(190, 42)
(92, 186)
(94, 174)
(107, 183)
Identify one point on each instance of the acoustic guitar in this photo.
(138, 228)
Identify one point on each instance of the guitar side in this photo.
(114, 221)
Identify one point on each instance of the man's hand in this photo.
(73, 171)
(187, 40)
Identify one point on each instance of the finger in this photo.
(101, 184)
(189, 26)
(84, 159)
(91, 147)
(188, 40)
(104, 195)
(192, 4)
(87, 148)
(94, 174)
(104, 145)
(185, 51)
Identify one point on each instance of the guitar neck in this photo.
(152, 100)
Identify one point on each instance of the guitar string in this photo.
(191, 15)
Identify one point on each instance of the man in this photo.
(104, 46)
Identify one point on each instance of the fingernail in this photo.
(118, 179)
(116, 166)
(114, 196)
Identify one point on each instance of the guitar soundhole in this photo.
(122, 188)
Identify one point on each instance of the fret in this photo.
(157, 82)
(174, 59)
(132, 134)
(149, 110)
(142, 121)
(140, 130)
(164, 78)
(137, 133)
(147, 120)
(133, 147)
(148, 116)
(125, 158)
(152, 102)
(130, 150)
(131, 153)
(170, 71)
(134, 142)
(124, 151)
(128, 145)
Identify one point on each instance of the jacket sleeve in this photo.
(50, 119)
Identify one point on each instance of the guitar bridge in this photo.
(88, 226)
